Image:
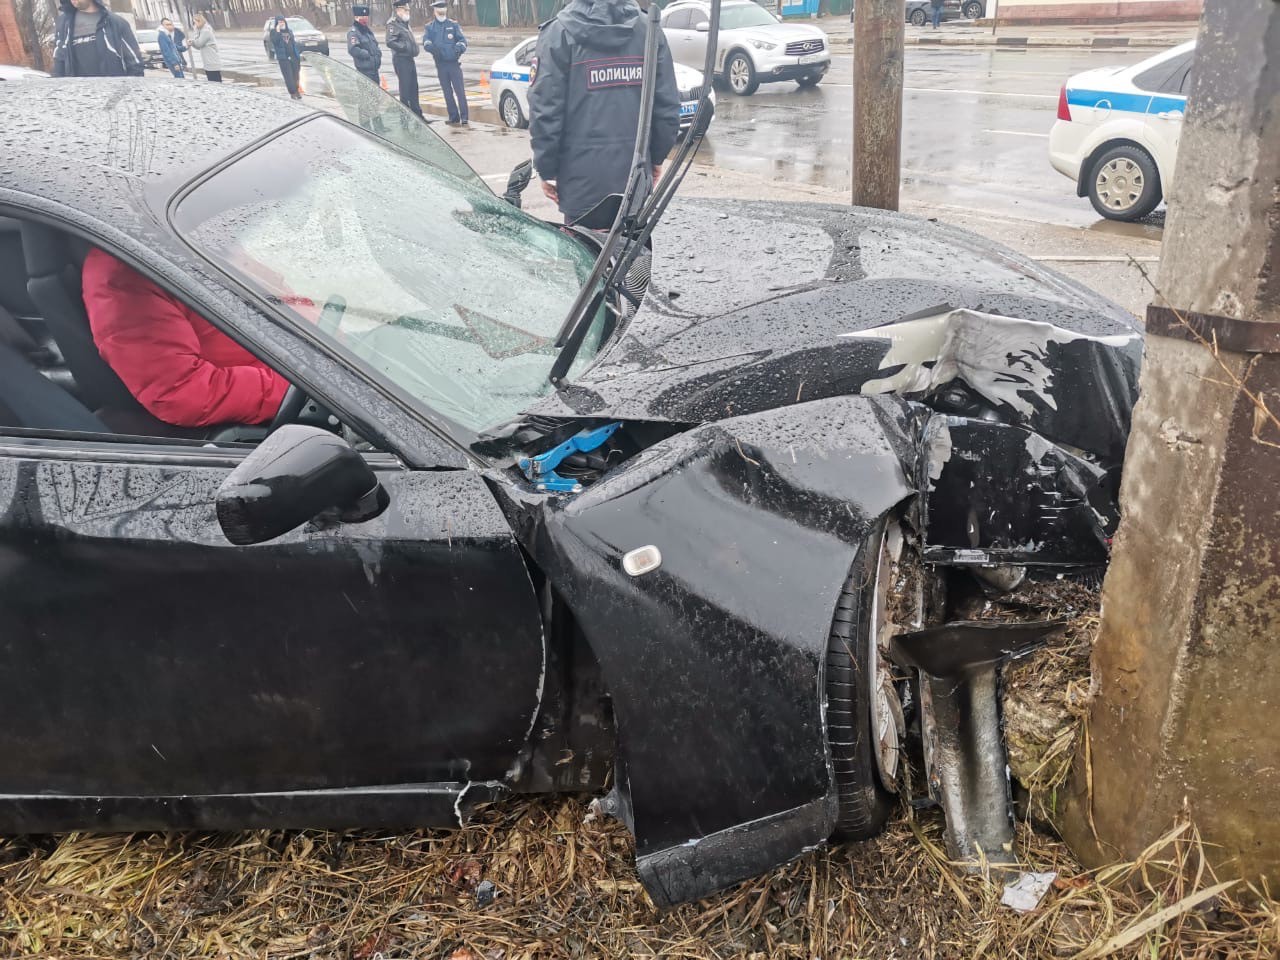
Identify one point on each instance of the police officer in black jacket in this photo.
(584, 104)
(404, 50)
(91, 41)
(363, 45)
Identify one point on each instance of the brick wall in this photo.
(1096, 11)
(11, 50)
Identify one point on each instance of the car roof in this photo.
(99, 145)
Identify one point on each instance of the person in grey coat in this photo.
(584, 105)
(204, 40)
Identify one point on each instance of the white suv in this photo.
(753, 48)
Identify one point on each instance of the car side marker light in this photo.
(642, 560)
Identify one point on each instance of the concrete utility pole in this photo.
(1188, 659)
(878, 30)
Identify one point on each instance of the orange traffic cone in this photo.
(484, 79)
(382, 77)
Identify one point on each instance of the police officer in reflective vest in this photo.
(443, 39)
(584, 104)
(363, 45)
(404, 50)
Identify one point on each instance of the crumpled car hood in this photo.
(754, 306)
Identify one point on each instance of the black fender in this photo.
(715, 659)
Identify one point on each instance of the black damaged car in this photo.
(438, 577)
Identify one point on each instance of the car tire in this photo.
(1124, 183)
(810, 80)
(918, 17)
(972, 10)
(510, 112)
(740, 74)
(271, 54)
(864, 803)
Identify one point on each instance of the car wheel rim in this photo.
(1120, 184)
(510, 112)
(739, 74)
(888, 727)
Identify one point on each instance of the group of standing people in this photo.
(91, 41)
(443, 39)
(173, 48)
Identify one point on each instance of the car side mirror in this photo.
(295, 474)
(703, 26)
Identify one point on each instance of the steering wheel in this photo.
(295, 399)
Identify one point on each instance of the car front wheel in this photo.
(271, 54)
(741, 75)
(865, 728)
(918, 17)
(509, 110)
(324, 51)
(1124, 183)
(972, 10)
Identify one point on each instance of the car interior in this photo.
(52, 377)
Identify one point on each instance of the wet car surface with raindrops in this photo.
(437, 579)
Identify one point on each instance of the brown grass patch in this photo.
(566, 888)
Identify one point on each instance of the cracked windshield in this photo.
(448, 292)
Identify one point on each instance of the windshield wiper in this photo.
(638, 212)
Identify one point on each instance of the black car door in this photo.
(151, 674)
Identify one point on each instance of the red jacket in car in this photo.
(180, 367)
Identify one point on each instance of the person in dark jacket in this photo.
(363, 45)
(443, 39)
(584, 105)
(169, 48)
(91, 41)
(285, 48)
(404, 50)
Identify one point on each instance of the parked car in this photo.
(1118, 129)
(509, 87)
(920, 12)
(307, 36)
(437, 578)
(754, 46)
(149, 44)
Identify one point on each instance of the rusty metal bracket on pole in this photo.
(1227, 333)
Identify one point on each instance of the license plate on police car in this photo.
(688, 109)
(813, 57)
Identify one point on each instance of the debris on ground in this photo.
(1025, 892)
(569, 891)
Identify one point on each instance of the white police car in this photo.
(1118, 129)
(509, 87)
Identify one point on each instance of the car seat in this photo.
(31, 401)
(54, 261)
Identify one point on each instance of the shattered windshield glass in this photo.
(451, 294)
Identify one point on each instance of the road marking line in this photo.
(1018, 133)
(1072, 258)
(978, 93)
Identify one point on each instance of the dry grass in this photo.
(566, 889)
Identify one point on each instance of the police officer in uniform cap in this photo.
(404, 50)
(363, 45)
(443, 39)
(584, 104)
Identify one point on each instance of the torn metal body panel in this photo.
(714, 661)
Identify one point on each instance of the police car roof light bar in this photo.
(591, 295)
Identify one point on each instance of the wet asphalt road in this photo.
(975, 127)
